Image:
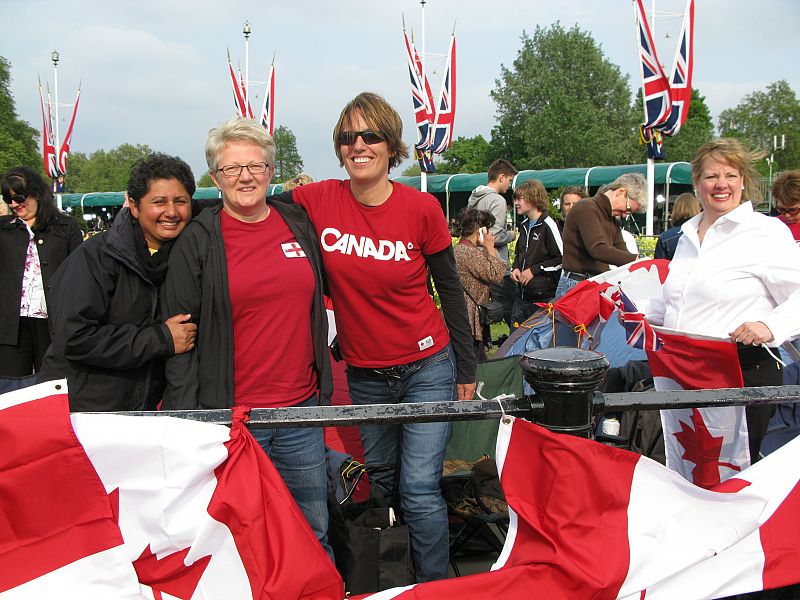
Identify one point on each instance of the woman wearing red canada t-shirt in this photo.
(379, 239)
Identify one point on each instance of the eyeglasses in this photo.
(348, 138)
(19, 199)
(788, 211)
(236, 170)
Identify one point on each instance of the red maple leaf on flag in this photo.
(170, 574)
(702, 449)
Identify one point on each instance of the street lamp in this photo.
(771, 159)
(246, 31)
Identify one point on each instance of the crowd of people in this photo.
(183, 308)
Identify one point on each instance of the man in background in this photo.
(569, 197)
(490, 198)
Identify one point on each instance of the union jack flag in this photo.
(48, 145)
(238, 97)
(268, 110)
(64, 152)
(446, 107)
(655, 82)
(681, 82)
(245, 97)
(423, 107)
(640, 333)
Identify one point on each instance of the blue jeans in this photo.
(415, 449)
(298, 454)
(565, 284)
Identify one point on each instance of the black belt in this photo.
(577, 276)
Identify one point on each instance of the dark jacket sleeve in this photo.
(75, 235)
(181, 294)
(82, 291)
(443, 270)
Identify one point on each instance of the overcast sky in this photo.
(155, 72)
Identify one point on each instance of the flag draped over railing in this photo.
(666, 99)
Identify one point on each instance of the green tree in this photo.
(762, 115)
(19, 142)
(288, 162)
(205, 181)
(103, 170)
(466, 155)
(412, 170)
(563, 104)
(696, 131)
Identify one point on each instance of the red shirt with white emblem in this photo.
(374, 259)
(271, 287)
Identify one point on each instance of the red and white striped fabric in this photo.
(106, 506)
(591, 521)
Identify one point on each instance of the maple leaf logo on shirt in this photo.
(702, 449)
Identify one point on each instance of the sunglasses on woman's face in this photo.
(16, 198)
(348, 138)
(788, 211)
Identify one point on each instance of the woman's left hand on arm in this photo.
(752, 332)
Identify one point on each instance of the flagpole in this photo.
(423, 179)
(246, 31)
(651, 163)
(55, 57)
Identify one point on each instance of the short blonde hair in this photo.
(732, 152)
(238, 130)
(382, 118)
(301, 179)
(686, 206)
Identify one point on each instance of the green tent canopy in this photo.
(586, 177)
(678, 173)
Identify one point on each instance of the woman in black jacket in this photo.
(34, 240)
(109, 339)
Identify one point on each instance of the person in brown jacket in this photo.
(478, 266)
(592, 234)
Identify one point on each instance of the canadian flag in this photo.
(704, 445)
(108, 506)
(591, 521)
(594, 298)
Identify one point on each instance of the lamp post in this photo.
(55, 58)
(246, 31)
(771, 160)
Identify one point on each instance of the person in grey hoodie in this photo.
(489, 198)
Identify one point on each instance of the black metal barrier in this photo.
(566, 401)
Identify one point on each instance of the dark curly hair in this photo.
(158, 166)
(469, 219)
(24, 181)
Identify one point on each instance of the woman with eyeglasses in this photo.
(249, 272)
(735, 273)
(34, 240)
(109, 337)
(379, 240)
(786, 198)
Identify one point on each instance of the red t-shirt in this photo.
(271, 288)
(375, 265)
(793, 227)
